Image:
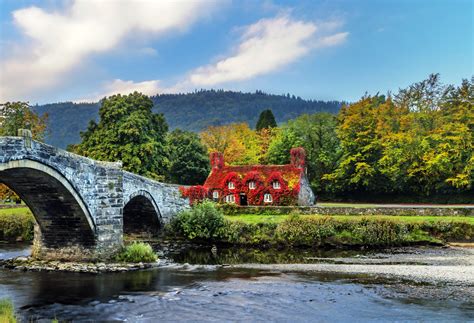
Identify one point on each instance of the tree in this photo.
(361, 147)
(266, 120)
(128, 131)
(238, 143)
(14, 116)
(316, 133)
(18, 115)
(189, 161)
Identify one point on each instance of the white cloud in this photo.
(62, 40)
(119, 86)
(264, 47)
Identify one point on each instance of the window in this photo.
(276, 185)
(252, 185)
(267, 198)
(215, 195)
(230, 199)
(231, 185)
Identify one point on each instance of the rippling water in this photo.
(213, 293)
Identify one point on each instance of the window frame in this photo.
(252, 185)
(230, 198)
(276, 185)
(231, 185)
(267, 198)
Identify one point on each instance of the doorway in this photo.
(243, 199)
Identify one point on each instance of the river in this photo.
(205, 291)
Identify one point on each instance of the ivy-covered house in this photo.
(260, 184)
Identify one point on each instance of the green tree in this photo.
(316, 133)
(18, 115)
(128, 131)
(266, 120)
(361, 147)
(189, 161)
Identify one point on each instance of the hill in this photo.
(192, 111)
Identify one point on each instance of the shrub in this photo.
(202, 221)
(17, 226)
(7, 313)
(137, 252)
(298, 231)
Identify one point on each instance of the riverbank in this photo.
(451, 265)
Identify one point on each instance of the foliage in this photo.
(420, 142)
(7, 194)
(316, 133)
(195, 194)
(7, 312)
(238, 143)
(185, 111)
(266, 120)
(16, 224)
(204, 221)
(128, 131)
(137, 252)
(371, 231)
(19, 115)
(189, 161)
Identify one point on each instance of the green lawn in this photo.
(16, 210)
(253, 218)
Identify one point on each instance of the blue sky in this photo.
(79, 50)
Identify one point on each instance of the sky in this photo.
(83, 50)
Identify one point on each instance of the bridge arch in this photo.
(62, 216)
(141, 214)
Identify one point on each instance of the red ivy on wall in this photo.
(195, 194)
(283, 195)
(254, 196)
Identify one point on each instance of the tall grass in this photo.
(137, 252)
(7, 312)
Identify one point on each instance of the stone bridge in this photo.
(82, 206)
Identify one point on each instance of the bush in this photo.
(7, 313)
(137, 252)
(202, 221)
(17, 226)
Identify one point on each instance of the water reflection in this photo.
(204, 255)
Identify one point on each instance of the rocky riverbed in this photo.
(29, 264)
(452, 265)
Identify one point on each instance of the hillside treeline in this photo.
(191, 111)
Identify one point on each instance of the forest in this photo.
(415, 145)
(191, 111)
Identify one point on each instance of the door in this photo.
(243, 199)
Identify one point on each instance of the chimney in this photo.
(217, 160)
(298, 157)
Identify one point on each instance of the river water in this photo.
(204, 291)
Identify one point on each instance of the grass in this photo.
(137, 252)
(15, 211)
(7, 312)
(256, 218)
